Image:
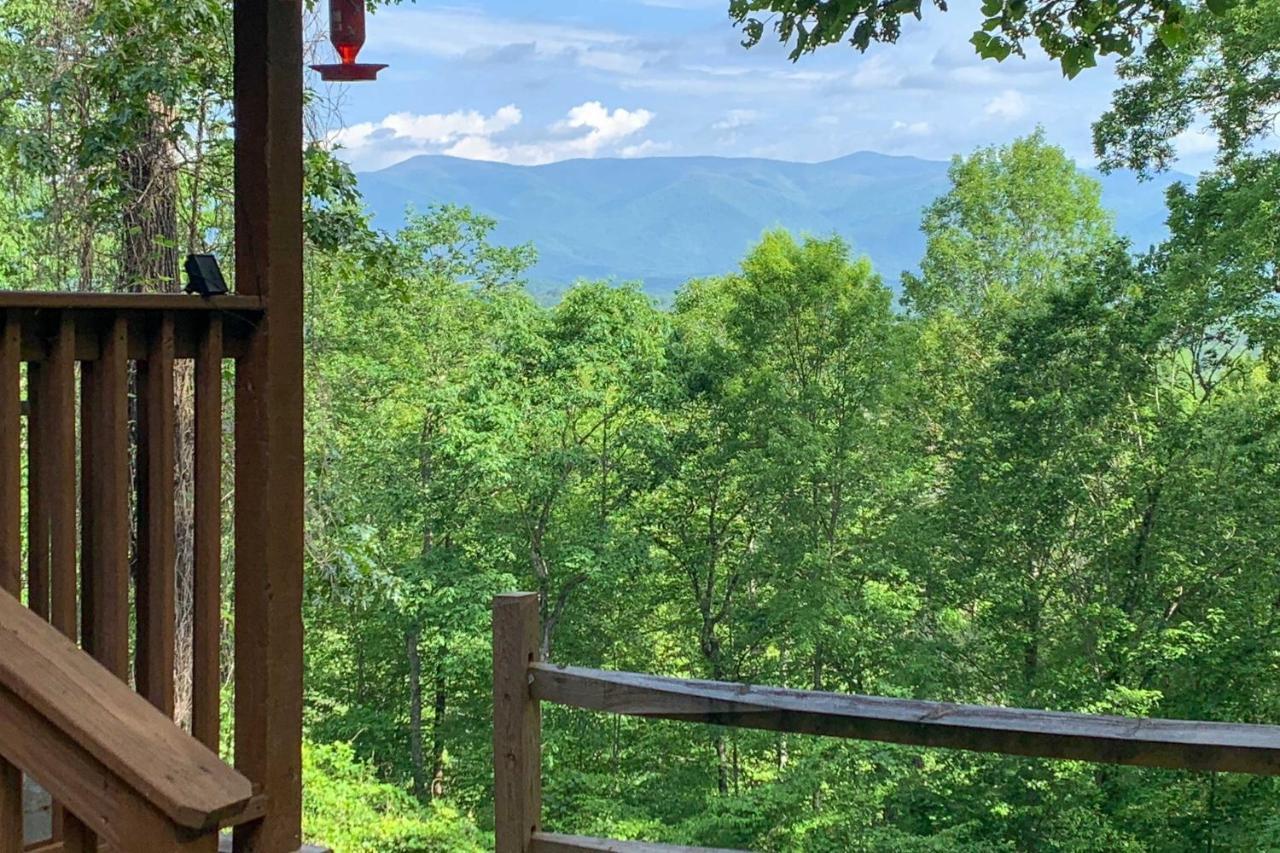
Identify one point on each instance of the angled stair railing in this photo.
(123, 768)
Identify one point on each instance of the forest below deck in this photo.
(1048, 481)
(1046, 474)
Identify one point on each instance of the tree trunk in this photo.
(412, 636)
(437, 724)
(149, 219)
(722, 764)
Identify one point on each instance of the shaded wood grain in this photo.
(113, 302)
(110, 510)
(517, 724)
(207, 564)
(59, 433)
(268, 93)
(551, 842)
(156, 580)
(10, 545)
(37, 501)
(1172, 744)
(108, 805)
(89, 403)
(137, 743)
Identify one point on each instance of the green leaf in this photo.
(1171, 34)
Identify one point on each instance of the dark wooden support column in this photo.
(268, 436)
(10, 543)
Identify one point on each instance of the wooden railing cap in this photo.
(100, 714)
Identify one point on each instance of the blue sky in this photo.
(527, 83)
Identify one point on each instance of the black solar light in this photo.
(204, 276)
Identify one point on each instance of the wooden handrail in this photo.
(553, 842)
(522, 682)
(61, 300)
(1171, 744)
(101, 749)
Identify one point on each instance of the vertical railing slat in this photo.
(207, 585)
(156, 591)
(10, 545)
(110, 587)
(89, 402)
(37, 509)
(58, 428)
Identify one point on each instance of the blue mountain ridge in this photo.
(664, 220)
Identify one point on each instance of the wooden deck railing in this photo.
(522, 683)
(87, 391)
(87, 394)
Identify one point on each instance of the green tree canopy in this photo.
(1075, 32)
(1016, 220)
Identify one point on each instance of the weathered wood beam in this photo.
(110, 807)
(33, 300)
(551, 842)
(517, 724)
(74, 701)
(1171, 744)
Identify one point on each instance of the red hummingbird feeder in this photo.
(346, 31)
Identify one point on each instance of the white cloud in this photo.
(736, 119)
(399, 136)
(464, 34)
(648, 148)
(588, 130)
(915, 128)
(458, 32)
(1007, 106)
(876, 72)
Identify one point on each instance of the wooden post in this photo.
(517, 724)
(268, 434)
(10, 544)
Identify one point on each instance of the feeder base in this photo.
(344, 73)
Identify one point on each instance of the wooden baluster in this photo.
(10, 545)
(37, 510)
(110, 586)
(207, 588)
(59, 435)
(58, 420)
(156, 593)
(89, 402)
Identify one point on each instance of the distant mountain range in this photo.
(665, 220)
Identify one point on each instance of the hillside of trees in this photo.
(1048, 476)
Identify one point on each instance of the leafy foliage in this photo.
(348, 808)
(1075, 32)
(1050, 481)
